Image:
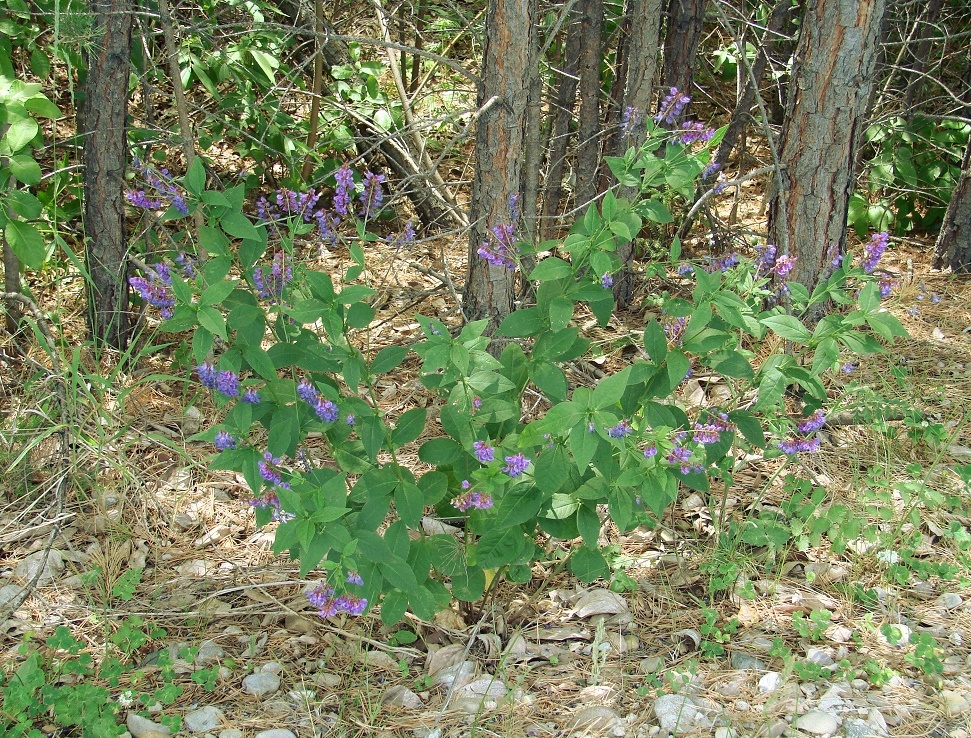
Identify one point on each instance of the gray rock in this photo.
(950, 601)
(209, 652)
(677, 713)
(275, 733)
(203, 720)
(9, 593)
(651, 665)
(47, 564)
(817, 723)
(141, 727)
(955, 703)
(594, 719)
(261, 684)
(401, 696)
(273, 667)
(231, 733)
(742, 661)
(770, 682)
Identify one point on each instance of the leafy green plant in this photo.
(814, 627)
(512, 483)
(715, 635)
(21, 104)
(910, 177)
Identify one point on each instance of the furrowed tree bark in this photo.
(499, 137)
(106, 105)
(825, 118)
(954, 241)
(591, 54)
(685, 20)
(640, 52)
(563, 102)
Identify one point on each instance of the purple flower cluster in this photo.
(709, 171)
(472, 499)
(372, 195)
(887, 283)
(156, 289)
(226, 383)
(516, 465)
(269, 468)
(501, 250)
(674, 330)
(224, 441)
(792, 446)
(251, 397)
(671, 106)
(329, 604)
(765, 259)
(345, 186)
(326, 409)
(784, 265)
(272, 285)
(621, 430)
(711, 431)
(165, 192)
(849, 367)
(483, 452)
(694, 131)
(685, 269)
(650, 451)
(722, 263)
(834, 257)
(873, 250)
(680, 456)
(606, 281)
(288, 204)
(631, 120)
(813, 423)
(354, 578)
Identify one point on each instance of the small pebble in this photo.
(770, 682)
(261, 684)
(817, 723)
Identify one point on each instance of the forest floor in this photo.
(158, 562)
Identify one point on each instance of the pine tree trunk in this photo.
(825, 118)
(641, 44)
(490, 289)
(591, 56)
(106, 105)
(954, 240)
(563, 102)
(681, 39)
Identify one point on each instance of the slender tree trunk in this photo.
(825, 117)
(928, 28)
(490, 288)
(641, 45)
(681, 39)
(106, 105)
(563, 102)
(591, 55)
(954, 240)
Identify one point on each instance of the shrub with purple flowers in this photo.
(281, 350)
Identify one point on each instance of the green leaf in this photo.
(372, 432)
(516, 508)
(259, 361)
(239, 226)
(588, 523)
(25, 169)
(27, 243)
(216, 293)
(655, 211)
(440, 451)
(20, 133)
(583, 445)
(409, 427)
(551, 268)
(610, 389)
(393, 607)
(396, 570)
(359, 315)
(468, 584)
(552, 470)
(23, 204)
(499, 547)
(409, 501)
(561, 313)
(522, 323)
(551, 380)
(388, 358)
(195, 178)
(284, 431)
(735, 365)
(212, 320)
(41, 107)
(588, 564)
(655, 341)
(788, 327)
